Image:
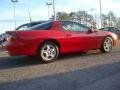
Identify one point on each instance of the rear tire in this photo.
(107, 45)
(48, 52)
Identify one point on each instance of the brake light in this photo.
(10, 37)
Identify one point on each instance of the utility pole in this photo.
(100, 13)
(54, 10)
(48, 4)
(14, 12)
(93, 17)
(30, 19)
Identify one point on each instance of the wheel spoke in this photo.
(48, 47)
(45, 53)
(53, 50)
(109, 45)
(52, 55)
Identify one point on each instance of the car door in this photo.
(79, 37)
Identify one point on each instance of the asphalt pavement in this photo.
(79, 71)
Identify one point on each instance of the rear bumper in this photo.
(13, 48)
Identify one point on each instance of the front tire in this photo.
(48, 52)
(107, 45)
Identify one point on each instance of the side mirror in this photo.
(93, 30)
(90, 31)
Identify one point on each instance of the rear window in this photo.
(23, 27)
(36, 23)
(43, 26)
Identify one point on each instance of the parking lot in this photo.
(79, 71)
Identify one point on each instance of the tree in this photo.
(72, 16)
(62, 16)
(104, 20)
(111, 18)
(118, 23)
(89, 20)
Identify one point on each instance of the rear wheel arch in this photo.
(48, 40)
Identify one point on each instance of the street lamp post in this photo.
(14, 1)
(54, 10)
(30, 19)
(100, 13)
(48, 4)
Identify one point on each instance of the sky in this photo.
(39, 10)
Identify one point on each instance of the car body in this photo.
(50, 39)
(28, 25)
(112, 29)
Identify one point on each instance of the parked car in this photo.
(51, 39)
(112, 29)
(2, 38)
(28, 25)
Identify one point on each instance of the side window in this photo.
(66, 25)
(73, 26)
(83, 28)
(76, 27)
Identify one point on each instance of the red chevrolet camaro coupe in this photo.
(50, 39)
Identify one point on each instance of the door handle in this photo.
(68, 35)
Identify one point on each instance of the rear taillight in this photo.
(10, 37)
